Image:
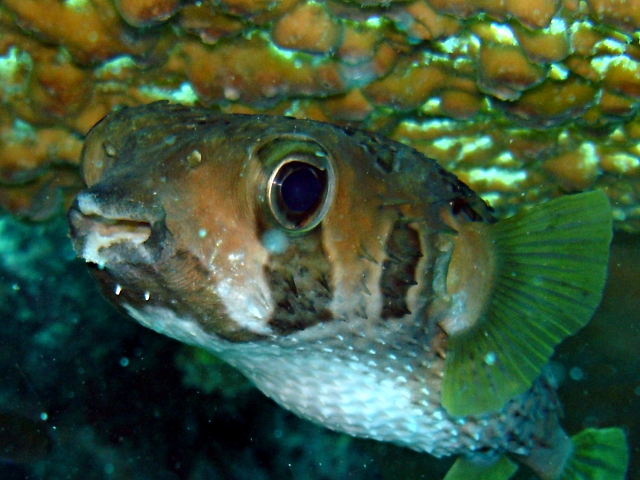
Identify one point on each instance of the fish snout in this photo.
(124, 233)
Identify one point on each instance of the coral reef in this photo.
(524, 100)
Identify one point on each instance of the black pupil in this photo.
(301, 189)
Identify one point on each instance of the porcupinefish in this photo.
(353, 280)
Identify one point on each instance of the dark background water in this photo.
(88, 394)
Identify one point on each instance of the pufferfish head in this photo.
(255, 226)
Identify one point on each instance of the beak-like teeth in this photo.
(103, 238)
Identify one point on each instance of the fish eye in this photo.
(300, 186)
(299, 191)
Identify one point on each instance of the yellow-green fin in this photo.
(598, 455)
(551, 265)
(464, 469)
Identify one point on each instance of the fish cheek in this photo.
(177, 282)
(221, 229)
(188, 288)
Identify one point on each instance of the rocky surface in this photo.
(524, 99)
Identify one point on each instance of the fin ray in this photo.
(550, 273)
(599, 454)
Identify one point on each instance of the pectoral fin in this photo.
(550, 273)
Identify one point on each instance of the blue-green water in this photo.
(87, 394)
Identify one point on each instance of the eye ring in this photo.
(300, 190)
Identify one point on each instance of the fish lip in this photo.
(107, 236)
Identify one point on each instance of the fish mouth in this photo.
(107, 236)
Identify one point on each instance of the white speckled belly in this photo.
(350, 396)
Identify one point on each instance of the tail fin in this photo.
(598, 455)
(551, 264)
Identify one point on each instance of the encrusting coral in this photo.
(524, 100)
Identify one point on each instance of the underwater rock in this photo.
(309, 28)
(504, 71)
(145, 13)
(563, 73)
